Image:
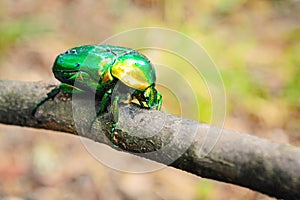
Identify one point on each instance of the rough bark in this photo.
(206, 151)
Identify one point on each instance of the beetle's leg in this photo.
(80, 78)
(103, 106)
(50, 95)
(142, 104)
(115, 109)
(159, 100)
(136, 96)
(104, 102)
(66, 88)
(115, 112)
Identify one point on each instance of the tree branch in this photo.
(209, 152)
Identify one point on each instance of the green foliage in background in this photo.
(13, 30)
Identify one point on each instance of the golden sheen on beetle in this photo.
(133, 71)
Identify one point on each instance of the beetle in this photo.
(98, 68)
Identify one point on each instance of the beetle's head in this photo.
(152, 98)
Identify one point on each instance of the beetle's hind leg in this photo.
(50, 95)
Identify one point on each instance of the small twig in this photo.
(209, 152)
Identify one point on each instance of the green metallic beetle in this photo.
(98, 68)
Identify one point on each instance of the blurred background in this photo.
(255, 44)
